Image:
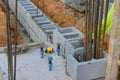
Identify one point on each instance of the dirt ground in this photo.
(65, 17)
(3, 35)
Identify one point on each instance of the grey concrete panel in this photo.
(86, 70)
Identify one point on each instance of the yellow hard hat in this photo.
(50, 50)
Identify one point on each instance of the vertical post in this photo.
(85, 31)
(97, 2)
(37, 4)
(9, 54)
(114, 47)
(15, 38)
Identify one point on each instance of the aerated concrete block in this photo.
(27, 21)
(36, 25)
(34, 12)
(75, 48)
(64, 35)
(38, 18)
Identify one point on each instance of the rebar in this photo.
(97, 2)
(100, 28)
(37, 4)
(93, 24)
(10, 76)
(85, 31)
(16, 10)
(90, 30)
(104, 29)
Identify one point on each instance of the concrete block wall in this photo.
(88, 70)
(39, 28)
(58, 38)
(75, 47)
(64, 35)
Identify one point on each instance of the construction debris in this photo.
(22, 48)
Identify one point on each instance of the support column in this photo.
(114, 47)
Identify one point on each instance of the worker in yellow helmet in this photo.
(49, 50)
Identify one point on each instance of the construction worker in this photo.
(50, 63)
(49, 50)
(42, 52)
(58, 50)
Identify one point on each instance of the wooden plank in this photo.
(114, 47)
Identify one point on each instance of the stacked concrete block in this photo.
(75, 48)
(89, 70)
(64, 35)
(37, 25)
(46, 25)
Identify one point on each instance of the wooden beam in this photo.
(114, 47)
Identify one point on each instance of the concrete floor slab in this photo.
(31, 67)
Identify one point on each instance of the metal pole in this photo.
(16, 8)
(8, 40)
(96, 27)
(85, 31)
(90, 31)
(100, 27)
(37, 3)
(103, 36)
